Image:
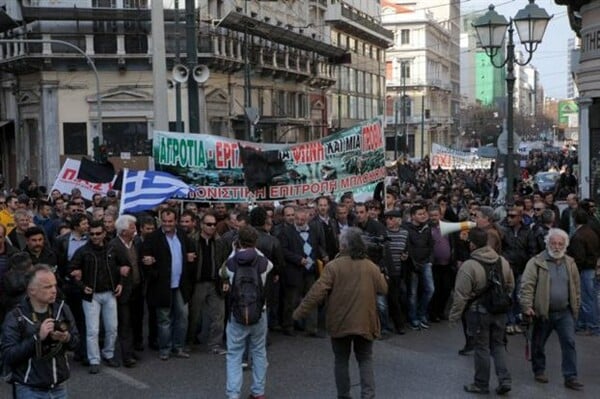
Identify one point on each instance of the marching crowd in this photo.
(77, 276)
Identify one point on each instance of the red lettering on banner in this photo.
(226, 155)
(70, 174)
(308, 153)
(372, 139)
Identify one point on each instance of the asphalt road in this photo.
(421, 364)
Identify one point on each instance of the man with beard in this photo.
(550, 293)
(36, 248)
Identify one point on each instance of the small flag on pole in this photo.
(144, 189)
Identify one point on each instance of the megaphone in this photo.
(170, 83)
(201, 73)
(180, 73)
(449, 228)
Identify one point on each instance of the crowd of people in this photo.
(105, 286)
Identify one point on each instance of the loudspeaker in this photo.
(180, 73)
(201, 73)
(449, 228)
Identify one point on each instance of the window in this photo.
(125, 137)
(173, 127)
(75, 138)
(135, 4)
(405, 36)
(404, 70)
(407, 106)
(136, 32)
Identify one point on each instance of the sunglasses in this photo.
(95, 234)
(210, 224)
(512, 216)
(473, 214)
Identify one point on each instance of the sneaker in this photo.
(112, 362)
(180, 353)
(472, 388)
(218, 350)
(503, 389)
(94, 369)
(510, 330)
(415, 326)
(424, 324)
(466, 351)
(541, 378)
(574, 384)
(164, 356)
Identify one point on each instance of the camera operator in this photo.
(35, 338)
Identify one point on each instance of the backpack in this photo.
(494, 298)
(247, 294)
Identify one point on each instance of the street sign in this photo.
(503, 142)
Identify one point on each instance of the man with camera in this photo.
(35, 338)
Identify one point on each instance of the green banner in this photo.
(340, 162)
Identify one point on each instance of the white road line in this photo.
(126, 379)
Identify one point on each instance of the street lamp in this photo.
(531, 23)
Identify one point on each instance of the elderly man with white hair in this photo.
(125, 254)
(550, 293)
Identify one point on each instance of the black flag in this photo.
(260, 167)
(96, 172)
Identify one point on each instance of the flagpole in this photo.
(123, 185)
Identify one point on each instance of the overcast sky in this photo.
(551, 56)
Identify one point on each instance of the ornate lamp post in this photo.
(491, 28)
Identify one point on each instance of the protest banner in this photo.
(447, 158)
(212, 166)
(67, 180)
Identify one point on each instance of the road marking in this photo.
(126, 379)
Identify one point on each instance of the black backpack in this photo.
(247, 293)
(494, 298)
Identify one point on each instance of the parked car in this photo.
(546, 181)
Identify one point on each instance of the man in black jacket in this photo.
(35, 338)
(168, 257)
(37, 248)
(98, 276)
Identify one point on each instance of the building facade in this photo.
(313, 66)
(423, 75)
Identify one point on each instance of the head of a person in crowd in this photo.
(258, 217)
(54, 194)
(97, 233)
(473, 205)
(23, 220)
(269, 224)
(467, 194)
(243, 207)
(393, 219)
(323, 206)
(391, 196)
(168, 221)
(302, 203)
(80, 224)
(514, 216)
(109, 222)
(374, 209)
(126, 227)
(538, 196)
(232, 219)
(547, 217)
(75, 193)
(557, 241)
(301, 219)
(454, 201)
(98, 213)
(147, 225)
(341, 213)
(435, 215)
(59, 207)
(538, 208)
(588, 205)
(527, 203)
(580, 217)
(484, 217)
(352, 243)
(35, 239)
(572, 201)
(44, 209)
(362, 212)
(405, 203)
(11, 203)
(63, 229)
(187, 221)
(442, 201)
(71, 209)
(289, 214)
(247, 237)
(418, 214)
(111, 197)
(348, 200)
(97, 200)
(220, 210)
(243, 219)
(208, 225)
(477, 238)
(23, 201)
(41, 286)
(192, 206)
(549, 198)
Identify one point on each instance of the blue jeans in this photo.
(564, 324)
(172, 324)
(27, 392)
(417, 307)
(237, 336)
(105, 304)
(588, 313)
(514, 314)
(382, 310)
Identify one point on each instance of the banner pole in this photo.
(123, 188)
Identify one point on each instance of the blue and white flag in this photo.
(145, 189)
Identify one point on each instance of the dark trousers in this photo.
(363, 351)
(397, 301)
(152, 324)
(136, 305)
(292, 297)
(124, 330)
(73, 299)
(443, 281)
(489, 341)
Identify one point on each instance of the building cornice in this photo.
(573, 7)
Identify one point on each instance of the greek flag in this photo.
(144, 189)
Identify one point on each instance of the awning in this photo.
(241, 23)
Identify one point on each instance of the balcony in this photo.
(350, 20)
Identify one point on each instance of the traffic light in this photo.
(148, 147)
(103, 152)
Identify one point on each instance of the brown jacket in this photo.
(352, 285)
